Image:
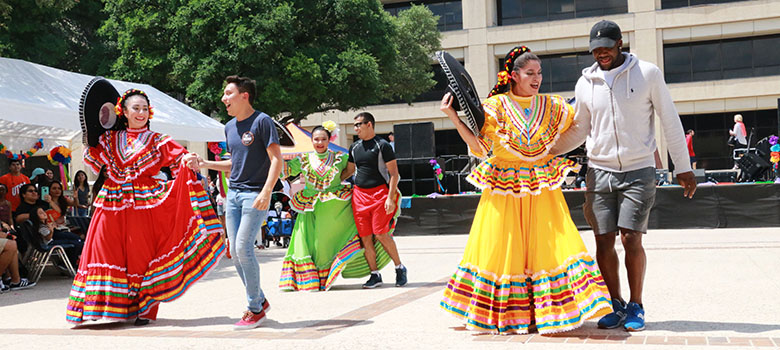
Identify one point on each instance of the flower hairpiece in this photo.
(118, 107)
(329, 125)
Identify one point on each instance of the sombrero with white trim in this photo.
(461, 86)
(96, 110)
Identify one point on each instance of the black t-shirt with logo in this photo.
(247, 141)
(370, 157)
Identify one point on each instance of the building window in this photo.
(712, 132)
(530, 11)
(722, 59)
(673, 4)
(450, 12)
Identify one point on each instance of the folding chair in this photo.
(38, 254)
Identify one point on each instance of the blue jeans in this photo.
(243, 223)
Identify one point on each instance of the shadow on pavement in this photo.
(699, 326)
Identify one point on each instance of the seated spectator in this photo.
(29, 199)
(5, 206)
(39, 178)
(58, 204)
(9, 262)
(50, 235)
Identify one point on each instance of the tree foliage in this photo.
(58, 33)
(307, 56)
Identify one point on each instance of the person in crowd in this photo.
(391, 138)
(50, 234)
(40, 179)
(57, 212)
(81, 187)
(49, 175)
(29, 199)
(375, 197)
(324, 240)
(739, 132)
(5, 206)
(524, 263)
(689, 142)
(14, 181)
(621, 160)
(9, 261)
(255, 164)
(142, 229)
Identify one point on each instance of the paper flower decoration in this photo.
(59, 155)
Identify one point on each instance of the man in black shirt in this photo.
(374, 197)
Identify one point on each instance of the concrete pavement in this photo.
(703, 288)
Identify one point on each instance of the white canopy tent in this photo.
(42, 102)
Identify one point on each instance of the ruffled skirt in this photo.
(134, 259)
(525, 263)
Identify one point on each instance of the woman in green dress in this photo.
(324, 241)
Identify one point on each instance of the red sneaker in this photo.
(250, 320)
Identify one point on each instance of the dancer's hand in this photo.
(389, 204)
(192, 160)
(688, 182)
(262, 201)
(446, 107)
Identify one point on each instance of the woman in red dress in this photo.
(149, 240)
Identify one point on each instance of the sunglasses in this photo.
(31, 191)
(358, 124)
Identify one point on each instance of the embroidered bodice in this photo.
(520, 132)
(321, 173)
(131, 158)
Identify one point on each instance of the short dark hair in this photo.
(318, 128)
(391, 133)
(23, 190)
(11, 161)
(367, 117)
(688, 131)
(243, 84)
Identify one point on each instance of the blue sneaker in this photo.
(635, 321)
(616, 318)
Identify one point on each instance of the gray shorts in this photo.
(619, 200)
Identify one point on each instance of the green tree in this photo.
(58, 33)
(307, 56)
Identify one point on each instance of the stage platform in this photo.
(713, 206)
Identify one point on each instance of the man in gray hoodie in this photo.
(616, 99)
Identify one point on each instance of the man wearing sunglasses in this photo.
(29, 200)
(375, 197)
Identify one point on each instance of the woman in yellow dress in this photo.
(525, 262)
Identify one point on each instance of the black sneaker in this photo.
(23, 284)
(400, 277)
(374, 281)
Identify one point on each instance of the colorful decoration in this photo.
(503, 77)
(60, 156)
(21, 156)
(775, 153)
(438, 173)
(332, 128)
(220, 151)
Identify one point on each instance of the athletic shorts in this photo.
(619, 200)
(368, 207)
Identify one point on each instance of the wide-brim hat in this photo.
(285, 137)
(462, 88)
(96, 110)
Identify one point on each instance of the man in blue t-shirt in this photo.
(374, 197)
(254, 165)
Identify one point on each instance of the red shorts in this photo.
(368, 207)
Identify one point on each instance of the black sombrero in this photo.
(460, 85)
(96, 110)
(285, 137)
